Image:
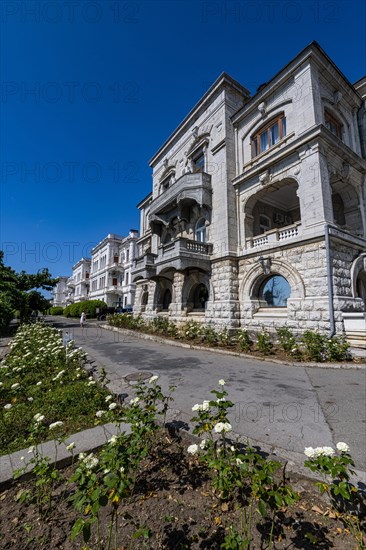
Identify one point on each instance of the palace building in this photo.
(257, 215)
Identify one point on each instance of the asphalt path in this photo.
(283, 408)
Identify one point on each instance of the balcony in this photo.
(144, 266)
(188, 189)
(274, 236)
(114, 289)
(182, 254)
(70, 282)
(115, 265)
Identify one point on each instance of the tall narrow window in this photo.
(333, 124)
(269, 135)
(201, 230)
(199, 163)
(264, 223)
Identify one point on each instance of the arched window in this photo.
(167, 299)
(275, 291)
(201, 230)
(268, 135)
(361, 286)
(200, 296)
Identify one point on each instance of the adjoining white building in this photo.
(111, 264)
(79, 282)
(257, 215)
(77, 286)
(60, 292)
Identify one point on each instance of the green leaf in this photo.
(77, 528)
(86, 532)
(262, 508)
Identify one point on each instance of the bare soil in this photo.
(174, 501)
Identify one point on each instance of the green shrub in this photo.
(314, 345)
(89, 308)
(243, 339)
(223, 337)
(264, 344)
(192, 330)
(209, 335)
(337, 349)
(56, 310)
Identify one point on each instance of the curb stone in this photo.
(86, 441)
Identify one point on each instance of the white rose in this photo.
(343, 447)
(223, 427)
(309, 452)
(153, 379)
(55, 425)
(112, 406)
(222, 382)
(99, 414)
(192, 449)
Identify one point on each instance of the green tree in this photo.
(15, 292)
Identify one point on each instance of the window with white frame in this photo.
(200, 231)
(268, 135)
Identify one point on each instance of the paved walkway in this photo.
(283, 408)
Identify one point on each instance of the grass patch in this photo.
(35, 379)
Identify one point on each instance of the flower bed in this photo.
(43, 389)
(311, 346)
(151, 489)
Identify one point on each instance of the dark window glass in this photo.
(200, 297)
(167, 299)
(275, 291)
(199, 164)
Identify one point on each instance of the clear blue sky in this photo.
(111, 80)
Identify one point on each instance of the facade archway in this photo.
(275, 206)
(196, 291)
(199, 296)
(254, 278)
(167, 299)
(358, 278)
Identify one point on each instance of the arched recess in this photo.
(162, 288)
(255, 277)
(192, 291)
(346, 199)
(278, 203)
(358, 278)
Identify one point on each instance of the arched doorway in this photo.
(167, 299)
(199, 296)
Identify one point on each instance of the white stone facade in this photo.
(257, 215)
(78, 283)
(60, 293)
(111, 265)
